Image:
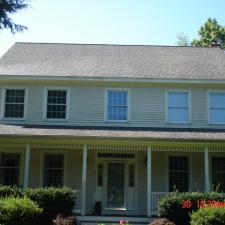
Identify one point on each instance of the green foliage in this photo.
(10, 7)
(53, 201)
(210, 33)
(19, 211)
(161, 221)
(6, 191)
(182, 40)
(171, 206)
(208, 216)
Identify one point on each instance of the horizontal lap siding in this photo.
(86, 106)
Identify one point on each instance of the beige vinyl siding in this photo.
(87, 106)
(141, 183)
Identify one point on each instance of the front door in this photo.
(116, 182)
(115, 197)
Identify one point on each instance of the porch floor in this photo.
(112, 220)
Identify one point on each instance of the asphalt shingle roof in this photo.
(117, 133)
(114, 61)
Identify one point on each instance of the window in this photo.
(117, 105)
(56, 104)
(53, 169)
(131, 175)
(218, 173)
(178, 173)
(100, 175)
(217, 108)
(9, 169)
(14, 103)
(178, 107)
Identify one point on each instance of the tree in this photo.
(211, 33)
(8, 7)
(182, 40)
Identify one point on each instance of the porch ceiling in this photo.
(118, 133)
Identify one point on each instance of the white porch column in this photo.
(84, 178)
(149, 180)
(206, 163)
(26, 166)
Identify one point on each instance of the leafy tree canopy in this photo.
(182, 40)
(7, 8)
(211, 33)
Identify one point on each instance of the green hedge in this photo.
(208, 216)
(53, 201)
(171, 208)
(6, 191)
(19, 211)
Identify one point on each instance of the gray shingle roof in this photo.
(117, 133)
(115, 61)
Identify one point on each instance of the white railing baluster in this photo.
(77, 207)
(155, 197)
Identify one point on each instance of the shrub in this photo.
(53, 201)
(64, 220)
(161, 221)
(6, 191)
(170, 206)
(208, 216)
(18, 211)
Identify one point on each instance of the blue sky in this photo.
(155, 22)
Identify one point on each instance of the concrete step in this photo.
(112, 220)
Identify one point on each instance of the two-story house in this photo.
(123, 125)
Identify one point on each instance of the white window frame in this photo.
(208, 105)
(25, 102)
(189, 105)
(54, 152)
(106, 105)
(46, 89)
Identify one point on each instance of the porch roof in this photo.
(134, 133)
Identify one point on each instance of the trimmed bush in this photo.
(64, 220)
(6, 191)
(161, 221)
(19, 211)
(208, 216)
(53, 201)
(172, 205)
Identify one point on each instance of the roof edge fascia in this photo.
(108, 79)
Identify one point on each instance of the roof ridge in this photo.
(110, 44)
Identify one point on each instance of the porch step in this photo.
(112, 220)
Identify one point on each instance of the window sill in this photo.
(13, 119)
(116, 121)
(55, 120)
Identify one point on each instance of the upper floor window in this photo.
(178, 107)
(14, 103)
(56, 104)
(117, 105)
(217, 108)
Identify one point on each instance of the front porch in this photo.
(143, 172)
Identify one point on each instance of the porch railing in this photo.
(77, 207)
(155, 197)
